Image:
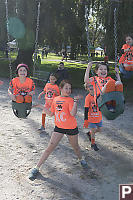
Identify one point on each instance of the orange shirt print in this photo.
(22, 88)
(61, 107)
(94, 115)
(100, 83)
(51, 91)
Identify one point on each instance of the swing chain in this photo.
(88, 45)
(16, 7)
(115, 36)
(8, 38)
(36, 39)
(87, 30)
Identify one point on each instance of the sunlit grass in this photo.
(75, 69)
(50, 56)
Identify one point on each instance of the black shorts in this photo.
(67, 131)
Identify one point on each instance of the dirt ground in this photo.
(62, 178)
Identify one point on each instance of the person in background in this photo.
(61, 73)
(51, 90)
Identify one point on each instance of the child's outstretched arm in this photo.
(12, 96)
(87, 72)
(74, 109)
(86, 123)
(117, 74)
(39, 96)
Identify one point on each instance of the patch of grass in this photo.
(51, 56)
(4, 68)
(76, 71)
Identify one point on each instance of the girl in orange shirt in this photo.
(103, 83)
(21, 88)
(51, 90)
(92, 116)
(64, 108)
(126, 60)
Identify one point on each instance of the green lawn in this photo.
(76, 71)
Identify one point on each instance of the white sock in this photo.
(37, 167)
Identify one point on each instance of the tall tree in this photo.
(27, 13)
(124, 17)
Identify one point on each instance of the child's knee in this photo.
(119, 86)
(109, 87)
(118, 83)
(28, 99)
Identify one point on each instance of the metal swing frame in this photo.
(20, 110)
(111, 96)
(39, 76)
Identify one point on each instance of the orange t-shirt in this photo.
(94, 114)
(61, 107)
(22, 88)
(51, 91)
(126, 55)
(100, 83)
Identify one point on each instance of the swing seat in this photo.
(115, 96)
(21, 110)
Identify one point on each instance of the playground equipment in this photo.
(115, 96)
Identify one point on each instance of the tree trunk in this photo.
(24, 56)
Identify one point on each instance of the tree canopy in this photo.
(62, 23)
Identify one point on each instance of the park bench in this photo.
(40, 76)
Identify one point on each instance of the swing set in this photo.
(21, 110)
(115, 96)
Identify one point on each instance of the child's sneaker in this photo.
(33, 174)
(89, 135)
(111, 109)
(42, 128)
(94, 146)
(83, 163)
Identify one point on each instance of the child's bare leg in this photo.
(127, 67)
(119, 86)
(43, 118)
(93, 145)
(93, 131)
(73, 140)
(55, 139)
